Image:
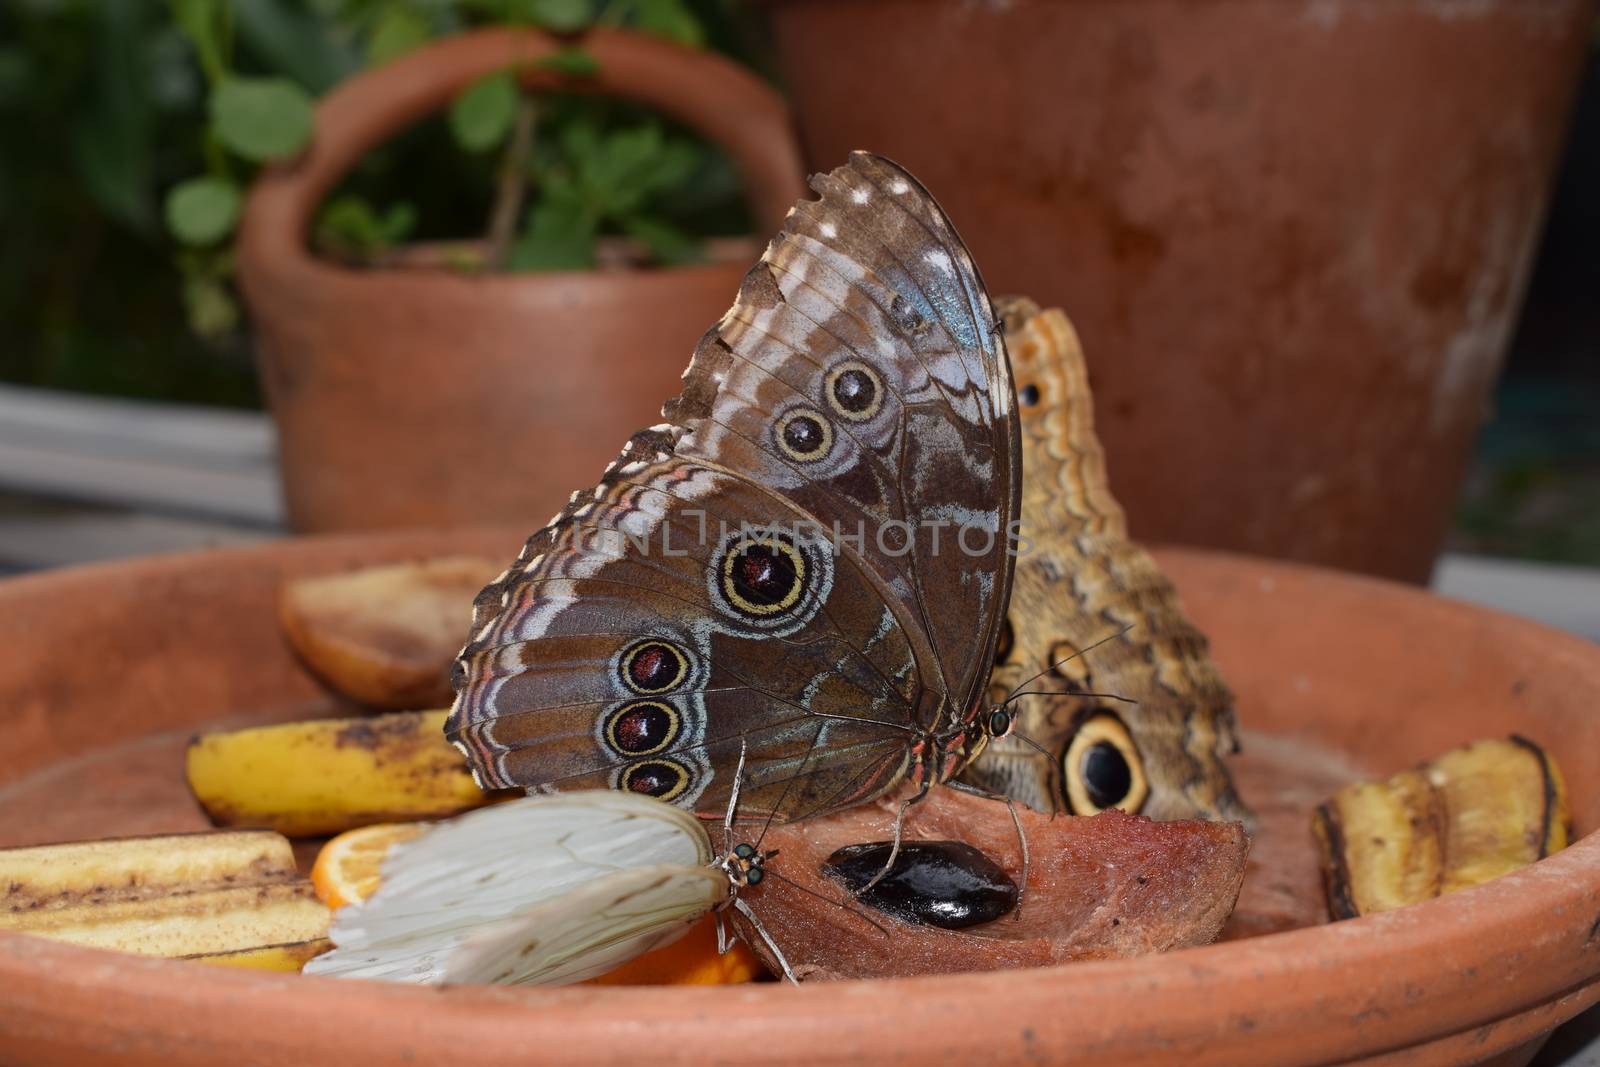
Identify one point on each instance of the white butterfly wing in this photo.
(473, 872)
(589, 930)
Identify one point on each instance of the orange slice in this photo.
(349, 867)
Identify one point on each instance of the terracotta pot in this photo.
(110, 668)
(419, 397)
(1294, 235)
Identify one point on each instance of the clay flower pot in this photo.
(426, 396)
(1294, 236)
(109, 669)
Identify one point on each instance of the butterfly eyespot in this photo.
(854, 390)
(663, 779)
(908, 318)
(653, 667)
(1028, 395)
(1008, 638)
(763, 575)
(643, 727)
(804, 435)
(1102, 768)
(1067, 662)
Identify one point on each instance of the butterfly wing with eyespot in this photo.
(588, 879)
(857, 386)
(1082, 581)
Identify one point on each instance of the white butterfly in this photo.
(548, 889)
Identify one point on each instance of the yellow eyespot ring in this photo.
(772, 605)
(635, 718)
(1102, 768)
(658, 652)
(1067, 662)
(854, 391)
(664, 779)
(804, 435)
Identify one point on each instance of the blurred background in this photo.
(1332, 263)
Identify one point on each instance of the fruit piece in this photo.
(174, 895)
(385, 636)
(1470, 815)
(691, 960)
(291, 957)
(331, 775)
(1098, 886)
(349, 867)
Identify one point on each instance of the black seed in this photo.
(948, 884)
(764, 574)
(804, 435)
(642, 727)
(1106, 776)
(854, 390)
(656, 778)
(1029, 395)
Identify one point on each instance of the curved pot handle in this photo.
(713, 95)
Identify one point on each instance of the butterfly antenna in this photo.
(857, 912)
(1069, 659)
(766, 938)
(1079, 693)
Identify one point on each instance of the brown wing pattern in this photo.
(699, 602)
(1081, 582)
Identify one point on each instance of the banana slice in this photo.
(1470, 815)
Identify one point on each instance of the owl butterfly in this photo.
(1092, 611)
(807, 561)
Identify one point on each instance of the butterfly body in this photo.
(761, 574)
(1092, 619)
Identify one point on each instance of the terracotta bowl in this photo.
(109, 669)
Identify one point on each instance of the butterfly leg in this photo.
(1016, 822)
(733, 802)
(894, 850)
(761, 931)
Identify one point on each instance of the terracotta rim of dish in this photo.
(1430, 975)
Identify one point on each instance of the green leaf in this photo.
(399, 29)
(671, 19)
(350, 226)
(560, 234)
(262, 118)
(295, 42)
(209, 26)
(213, 313)
(114, 135)
(482, 115)
(562, 16)
(667, 243)
(573, 62)
(202, 211)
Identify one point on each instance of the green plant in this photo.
(569, 174)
